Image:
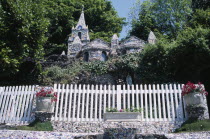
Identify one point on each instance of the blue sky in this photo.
(123, 9)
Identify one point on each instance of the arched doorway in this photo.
(86, 56)
(104, 56)
(80, 35)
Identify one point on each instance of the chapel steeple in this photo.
(80, 32)
(81, 23)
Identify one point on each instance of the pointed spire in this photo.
(63, 53)
(115, 37)
(77, 40)
(81, 23)
(152, 38)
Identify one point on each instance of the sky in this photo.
(123, 9)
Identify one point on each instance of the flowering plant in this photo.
(47, 92)
(192, 88)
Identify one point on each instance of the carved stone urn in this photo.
(195, 98)
(44, 104)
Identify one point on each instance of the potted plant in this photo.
(132, 114)
(45, 99)
(193, 94)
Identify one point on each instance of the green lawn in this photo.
(194, 125)
(35, 126)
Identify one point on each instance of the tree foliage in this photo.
(164, 16)
(22, 31)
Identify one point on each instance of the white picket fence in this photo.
(89, 102)
(16, 104)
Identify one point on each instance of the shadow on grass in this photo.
(194, 125)
(36, 125)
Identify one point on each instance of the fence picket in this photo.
(91, 105)
(83, 102)
(142, 107)
(124, 93)
(146, 106)
(150, 103)
(100, 102)
(172, 102)
(159, 102)
(105, 93)
(87, 102)
(109, 97)
(137, 97)
(168, 104)
(163, 102)
(181, 103)
(154, 101)
(70, 103)
(176, 100)
(132, 92)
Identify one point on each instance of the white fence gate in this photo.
(89, 102)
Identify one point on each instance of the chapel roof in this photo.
(133, 41)
(97, 44)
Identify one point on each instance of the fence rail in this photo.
(89, 102)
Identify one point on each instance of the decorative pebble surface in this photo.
(98, 127)
(19, 134)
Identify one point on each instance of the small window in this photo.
(79, 27)
(80, 35)
(104, 56)
(86, 56)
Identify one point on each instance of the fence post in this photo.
(119, 97)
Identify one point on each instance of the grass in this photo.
(35, 126)
(194, 125)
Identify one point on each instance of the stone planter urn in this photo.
(122, 116)
(196, 98)
(44, 105)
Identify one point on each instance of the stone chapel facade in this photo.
(80, 46)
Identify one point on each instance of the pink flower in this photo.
(121, 110)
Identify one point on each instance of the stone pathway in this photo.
(19, 134)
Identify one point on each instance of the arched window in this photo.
(104, 56)
(80, 35)
(86, 56)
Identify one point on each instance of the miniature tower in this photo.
(114, 44)
(81, 33)
(152, 38)
(114, 41)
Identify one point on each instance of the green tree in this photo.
(22, 31)
(165, 16)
